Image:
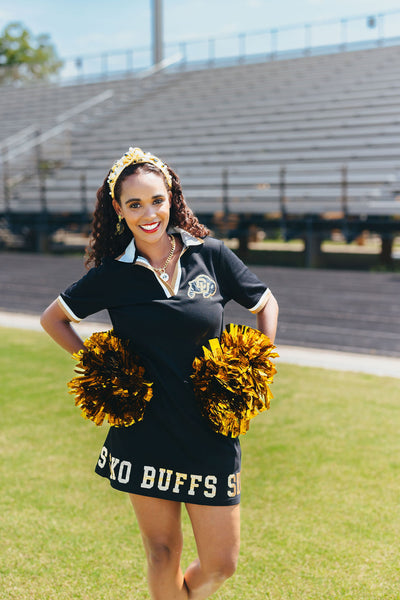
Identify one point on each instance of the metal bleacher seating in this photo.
(314, 135)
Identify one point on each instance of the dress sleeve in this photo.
(240, 284)
(84, 297)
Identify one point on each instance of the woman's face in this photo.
(145, 205)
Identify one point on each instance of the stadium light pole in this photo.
(157, 32)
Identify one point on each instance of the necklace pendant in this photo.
(164, 276)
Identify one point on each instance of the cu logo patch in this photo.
(204, 285)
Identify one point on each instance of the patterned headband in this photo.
(134, 156)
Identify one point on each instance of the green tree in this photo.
(24, 56)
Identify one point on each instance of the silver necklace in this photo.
(161, 270)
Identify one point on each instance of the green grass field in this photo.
(320, 494)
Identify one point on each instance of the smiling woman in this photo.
(155, 186)
(145, 204)
(165, 284)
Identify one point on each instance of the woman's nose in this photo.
(149, 211)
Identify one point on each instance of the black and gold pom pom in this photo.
(231, 380)
(112, 383)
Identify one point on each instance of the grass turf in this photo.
(320, 490)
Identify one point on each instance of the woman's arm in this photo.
(267, 318)
(55, 322)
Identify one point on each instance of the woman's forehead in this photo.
(143, 182)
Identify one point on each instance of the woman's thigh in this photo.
(217, 534)
(159, 522)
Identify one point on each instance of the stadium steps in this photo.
(311, 115)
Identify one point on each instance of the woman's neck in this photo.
(157, 253)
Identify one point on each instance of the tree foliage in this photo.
(24, 56)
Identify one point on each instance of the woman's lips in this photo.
(150, 228)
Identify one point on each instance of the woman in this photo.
(165, 284)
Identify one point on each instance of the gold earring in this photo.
(120, 226)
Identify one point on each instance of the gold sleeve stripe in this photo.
(68, 312)
(262, 302)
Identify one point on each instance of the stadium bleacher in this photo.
(314, 135)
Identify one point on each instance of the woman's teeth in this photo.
(150, 227)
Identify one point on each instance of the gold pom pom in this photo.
(112, 383)
(231, 381)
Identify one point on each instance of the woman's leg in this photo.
(217, 533)
(160, 526)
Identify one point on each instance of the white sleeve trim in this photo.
(262, 302)
(71, 315)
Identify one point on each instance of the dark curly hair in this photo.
(105, 242)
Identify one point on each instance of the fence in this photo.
(335, 35)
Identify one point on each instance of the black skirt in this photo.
(173, 454)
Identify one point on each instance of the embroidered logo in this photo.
(203, 284)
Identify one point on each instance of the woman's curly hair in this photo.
(105, 242)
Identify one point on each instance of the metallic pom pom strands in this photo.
(134, 156)
(112, 384)
(231, 381)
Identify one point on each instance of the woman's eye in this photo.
(134, 205)
(158, 200)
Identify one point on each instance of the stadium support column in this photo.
(312, 244)
(386, 256)
(157, 32)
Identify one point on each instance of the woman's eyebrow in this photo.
(139, 199)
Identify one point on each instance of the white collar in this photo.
(187, 239)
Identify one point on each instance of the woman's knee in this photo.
(162, 552)
(221, 567)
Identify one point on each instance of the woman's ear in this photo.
(117, 207)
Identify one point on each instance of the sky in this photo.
(82, 27)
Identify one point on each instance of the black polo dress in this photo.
(172, 453)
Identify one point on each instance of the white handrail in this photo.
(65, 123)
(23, 148)
(166, 62)
(75, 110)
(17, 137)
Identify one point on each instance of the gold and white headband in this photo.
(134, 156)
